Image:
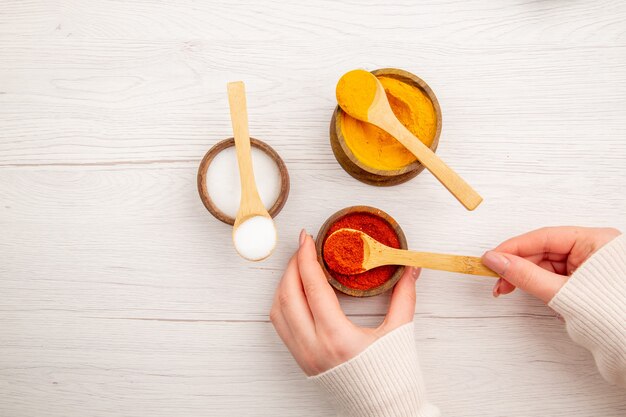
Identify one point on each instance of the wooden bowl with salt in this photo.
(367, 173)
(321, 239)
(210, 205)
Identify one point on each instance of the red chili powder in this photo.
(379, 230)
(343, 252)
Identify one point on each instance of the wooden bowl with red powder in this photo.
(380, 226)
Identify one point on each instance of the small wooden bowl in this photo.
(319, 246)
(227, 143)
(353, 166)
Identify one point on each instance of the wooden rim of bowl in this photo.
(319, 247)
(416, 166)
(227, 143)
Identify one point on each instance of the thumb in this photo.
(524, 274)
(402, 305)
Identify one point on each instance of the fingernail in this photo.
(496, 288)
(415, 273)
(496, 262)
(302, 236)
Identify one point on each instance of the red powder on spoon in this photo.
(343, 252)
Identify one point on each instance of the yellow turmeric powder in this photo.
(375, 147)
(355, 92)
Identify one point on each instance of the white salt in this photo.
(255, 238)
(224, 188)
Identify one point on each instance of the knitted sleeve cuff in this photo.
(382, 381)
(593, 304)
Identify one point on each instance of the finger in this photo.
(282, 328)
(280, 324)
(293, 304)
(524, 274)
(320, 296)
(402, 304)
(557, 240)
(502, 287)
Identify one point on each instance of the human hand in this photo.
(540, 262)
(308, 318)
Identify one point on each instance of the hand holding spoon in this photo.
(362, 96)
(254, 233)
(359, 246)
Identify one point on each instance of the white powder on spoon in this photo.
(224, 188)
(255, 238)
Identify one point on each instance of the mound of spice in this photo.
(343, 252)
(378, 229)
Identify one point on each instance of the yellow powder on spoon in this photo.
(355, 92)
(375, 147)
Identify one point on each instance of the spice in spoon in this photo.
(355, 93)
(255, 238)
(343, 252)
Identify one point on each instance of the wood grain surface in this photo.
(120, 295)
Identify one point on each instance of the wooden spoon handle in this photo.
(454, 263)
(450, 179)
(239, 118)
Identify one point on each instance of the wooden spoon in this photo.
(376, 254)
(254, 233)
(362, 96)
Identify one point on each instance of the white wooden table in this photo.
(121, 296)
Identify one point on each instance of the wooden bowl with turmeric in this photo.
(371, 155)
(380, 226)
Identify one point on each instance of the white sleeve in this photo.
(382, 381)
(593, 304)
